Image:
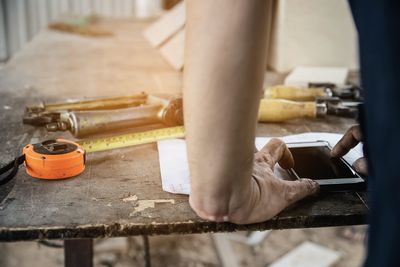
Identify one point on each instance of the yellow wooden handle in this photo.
(278, 110)
(294, 93)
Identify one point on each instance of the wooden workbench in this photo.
(56, 66)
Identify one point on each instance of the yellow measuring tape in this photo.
(132, 139)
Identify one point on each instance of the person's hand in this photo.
(349, 140)
(269, 194)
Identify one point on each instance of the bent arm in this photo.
(225, 59)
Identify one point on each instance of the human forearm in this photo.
(224, 69)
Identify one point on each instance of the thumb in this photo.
(299, 189)
(276, 151)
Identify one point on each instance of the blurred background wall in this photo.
(20, 20)
(302, 32)
(312, 33)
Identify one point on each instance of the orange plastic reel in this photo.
(54, 159)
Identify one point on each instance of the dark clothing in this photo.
(378, 25)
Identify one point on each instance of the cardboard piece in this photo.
(174, 50)
(166, 26)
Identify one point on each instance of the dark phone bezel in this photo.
(357, 183)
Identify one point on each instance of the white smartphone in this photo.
(313, 161)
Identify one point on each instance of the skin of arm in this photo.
(225, 59)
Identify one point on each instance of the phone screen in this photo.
(316, 163)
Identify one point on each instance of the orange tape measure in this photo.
(51, 159)
(54, 159)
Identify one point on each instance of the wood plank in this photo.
(56, 66)
(168, 25)
(173, 51)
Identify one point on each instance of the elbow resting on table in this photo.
(215, 210)
(226, 205)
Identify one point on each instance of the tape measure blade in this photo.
(126, 140)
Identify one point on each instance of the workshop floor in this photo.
(193, 250)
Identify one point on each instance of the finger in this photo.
(349, 140)
(299, 189)
(361, 166)
(276, 151)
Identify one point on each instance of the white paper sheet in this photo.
(174, 165)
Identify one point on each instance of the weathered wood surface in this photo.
(55, 66)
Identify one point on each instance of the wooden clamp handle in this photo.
(278, 110)
(294, 93)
